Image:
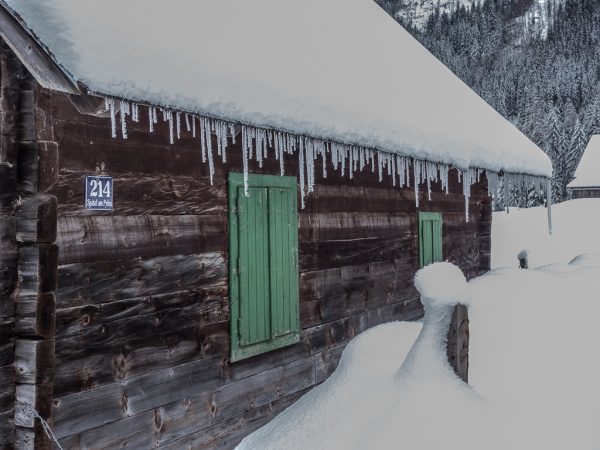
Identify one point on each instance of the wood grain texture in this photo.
(110, 238)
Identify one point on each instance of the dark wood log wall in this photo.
(28, 262)
(142, 313)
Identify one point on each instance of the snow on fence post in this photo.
(443, 344)
(523, 257)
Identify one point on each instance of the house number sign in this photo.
(99, 193)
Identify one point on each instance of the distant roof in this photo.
(340, 70)
(588, 170)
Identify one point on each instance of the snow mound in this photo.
(441, 283)
(533, 371)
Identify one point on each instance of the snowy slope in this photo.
(588, 169)
(576, 225)
(533, 372)
(341, 70)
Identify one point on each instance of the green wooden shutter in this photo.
(263, 264)
(283, 232)
(253, 241)
(430, 238)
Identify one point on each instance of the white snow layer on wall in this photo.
(588, 169)
(340, 70)
(576, 225)
(533, 372)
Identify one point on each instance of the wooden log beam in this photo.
(37, 269)
(36, 219)
(35, 316)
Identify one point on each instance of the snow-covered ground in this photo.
(534, 371)
(576, 230)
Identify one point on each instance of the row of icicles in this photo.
(348, 159)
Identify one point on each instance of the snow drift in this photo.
(534, 371)
(575, 230)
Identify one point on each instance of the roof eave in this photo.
(32, 53)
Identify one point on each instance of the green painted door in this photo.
(430, 238)
(263, 264)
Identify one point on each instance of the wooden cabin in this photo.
(587, 176)
(177, 269)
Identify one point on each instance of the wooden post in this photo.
(458, 342)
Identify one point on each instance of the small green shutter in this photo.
(430, 238)
(263, 264)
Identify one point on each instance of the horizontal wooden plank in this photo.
(339, 253)
(340, 292)
(108, 351)
(72, 413)
(325, 226)
(176, 419)
(144, 194)
(109, 238)
(230, 432)
(102, 282)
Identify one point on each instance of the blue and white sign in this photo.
(99, 193)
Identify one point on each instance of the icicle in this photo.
(168, 117)
(178, 120)
(193, 126)
(219, 139)
(265, 144)
(372, 156)
(324, 159)
(124, 111)
(417, 181)
(301, 169)
(245, 159)
(211, 163)
(232, 130)
(187, 122)
(379, 166)
(467, 180)
(110, 103)
(428, 176)
(224, 143)
(151, 119)
(135, 112)
(203, 139)
(208, 137)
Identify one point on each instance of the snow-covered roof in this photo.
(340, 70)
(588, 170)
